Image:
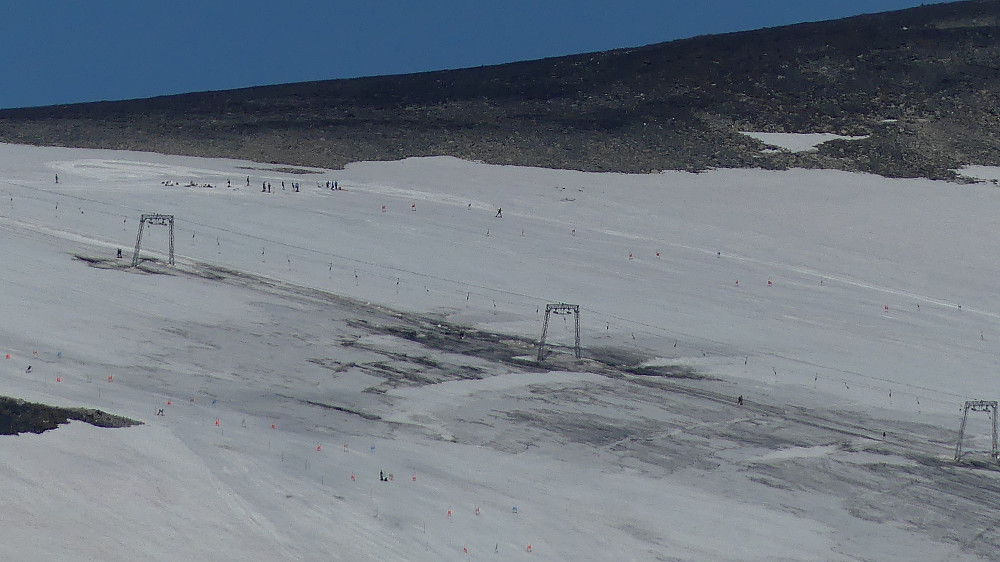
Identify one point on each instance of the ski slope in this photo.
(286, 392)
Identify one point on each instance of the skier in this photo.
(119, 253)
(739, 401)
(499, 213)
(57, 178)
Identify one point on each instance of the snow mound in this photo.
(798, 142)
(985, 173)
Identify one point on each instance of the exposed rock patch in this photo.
(18, 416)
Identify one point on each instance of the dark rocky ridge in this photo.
(924, 83)
(18, 416)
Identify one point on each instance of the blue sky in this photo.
(67, 51)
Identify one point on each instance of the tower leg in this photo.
(171, 240)
(576, 349)
(138, 244)
(545, 329)
(994, 452)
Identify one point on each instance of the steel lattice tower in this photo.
(560, 308)
(988, 406)
(163, 220)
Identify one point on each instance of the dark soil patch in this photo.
(443, 336)
(18, 416)
(668, 371)
(367, 416)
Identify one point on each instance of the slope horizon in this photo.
(679, 105)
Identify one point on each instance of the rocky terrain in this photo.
(922, 84)
(19, 416)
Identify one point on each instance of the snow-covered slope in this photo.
(807, 289)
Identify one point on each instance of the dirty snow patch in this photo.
(797, 142)
(985, 173)
(796, 453)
